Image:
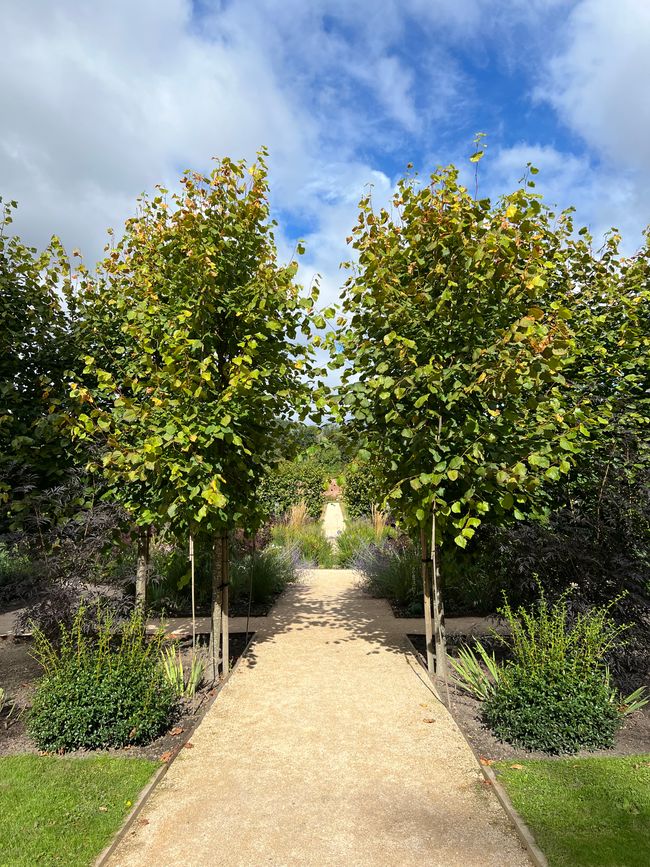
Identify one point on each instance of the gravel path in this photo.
(326, 747)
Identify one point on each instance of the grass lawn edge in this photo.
(132, 815)
(523, 830)
(587, 810)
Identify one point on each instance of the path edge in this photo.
(159, 775)
(524, 833)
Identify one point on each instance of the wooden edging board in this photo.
(524, 833)
(145, 794)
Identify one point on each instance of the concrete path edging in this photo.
(525, 834)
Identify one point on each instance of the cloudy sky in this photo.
(100, 101)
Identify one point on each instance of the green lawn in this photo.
(64, 810)
(585, 812)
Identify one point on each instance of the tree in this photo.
(612, 324)
(197, 360)
(457, 336)
(36, 349)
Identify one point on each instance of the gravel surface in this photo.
(326, 747)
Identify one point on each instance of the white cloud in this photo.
(334, 195)
(599, 81)
(102, 103)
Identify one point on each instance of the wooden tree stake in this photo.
(438, 609)
(225, 598)
(217, 596)
(428, 614)
(193, 594)
(142, 567)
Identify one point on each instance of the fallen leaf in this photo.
(486, 782)
(486, 762)
(189, 745)
(177, 730)
(143, 822)
(166, 756)
(517, 767)
(103, 809)
(428, 720)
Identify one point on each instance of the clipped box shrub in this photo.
(555, 693)
(101, 686)
(557, 712)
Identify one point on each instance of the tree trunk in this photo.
(142, 567)
(427, 591)
(225, 572)
(219, 541)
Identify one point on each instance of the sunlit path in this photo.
(333, 521)
(326, 747)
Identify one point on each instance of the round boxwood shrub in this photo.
(558, 713)
(102, 686)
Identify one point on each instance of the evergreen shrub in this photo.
(103, 689)
(555, 694)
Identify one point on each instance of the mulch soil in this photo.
(632, 739)
(19, 673)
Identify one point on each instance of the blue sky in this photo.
(100, 102)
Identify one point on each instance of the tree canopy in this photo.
(459, 335)
(36, 350)
(198, 352)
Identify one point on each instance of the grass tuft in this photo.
(308, 541)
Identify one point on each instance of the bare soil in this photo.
(19, 673)
(633, 738)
